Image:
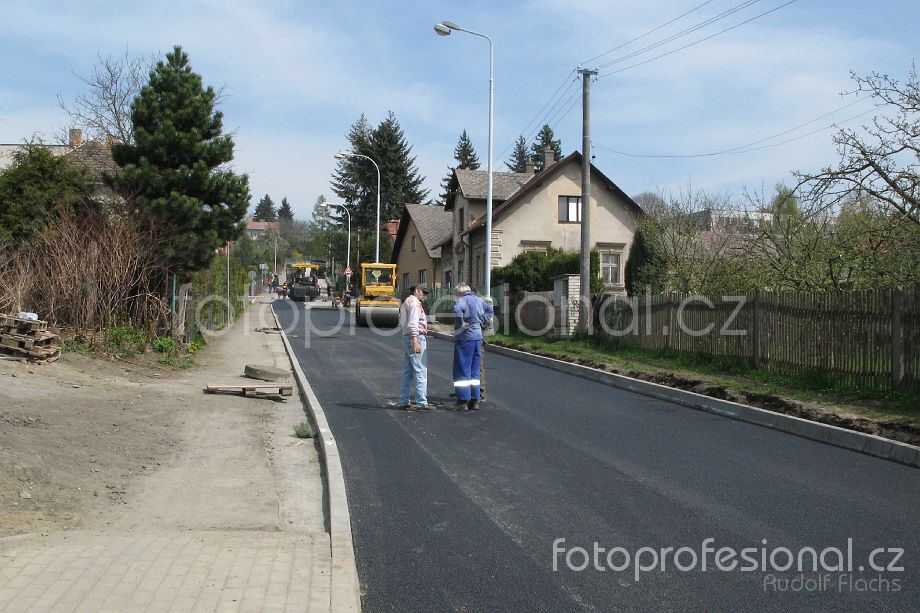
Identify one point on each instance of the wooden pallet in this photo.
(252, 390)
(19, 341)
(17, 325)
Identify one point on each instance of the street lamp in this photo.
(444, 28)
(348, 216)
(341, 155)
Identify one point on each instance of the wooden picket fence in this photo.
(860, 339)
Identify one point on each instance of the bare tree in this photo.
(103, 111)
(883, 160)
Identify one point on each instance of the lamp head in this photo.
(341, 155)
(442, 29)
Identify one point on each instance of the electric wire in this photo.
(749, 147)
(682, 33)
(641, 36)
(696, 42)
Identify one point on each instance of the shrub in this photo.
(533, 271)
(164, 344)
(303, 430)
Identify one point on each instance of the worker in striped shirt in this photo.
(414, 325)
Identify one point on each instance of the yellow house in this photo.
(546, 211)
(416, 251)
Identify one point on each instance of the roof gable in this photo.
(539, 179)
(474, 184)
(433, 224)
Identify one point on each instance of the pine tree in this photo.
(285, 212)
(466, 159)
(265, 210)
(174, 174)
(355, 179)
(401, 182)
(519, 156)
(465, 154)
(544, 138)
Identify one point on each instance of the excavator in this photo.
(378, 304)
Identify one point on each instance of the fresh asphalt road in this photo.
(460, 511)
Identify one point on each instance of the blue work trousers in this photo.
(467, 356)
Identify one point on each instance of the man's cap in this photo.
(422, 287)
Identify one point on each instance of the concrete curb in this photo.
(824, 433)
(346, 590)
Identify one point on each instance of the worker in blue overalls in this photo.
(471, 315)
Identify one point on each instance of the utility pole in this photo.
(585, 313)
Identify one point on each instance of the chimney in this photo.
(529, 166)
(549, 157)
(76, 137)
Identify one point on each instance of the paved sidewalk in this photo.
(233, 523)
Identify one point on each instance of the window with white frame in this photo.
(610, 268)
(413, 242)
(423, 276)
(570, 209)
(405, 283)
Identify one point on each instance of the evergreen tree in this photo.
(35, 189)
(174, 174)
(465, 154)
(265, 210)
(544, 138)
(401, 182)
(355, 179)
(466, 159)
(285, 212)
(519, 156)
(646, 267)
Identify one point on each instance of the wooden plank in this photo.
(247, 389)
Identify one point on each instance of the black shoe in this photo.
(460, 405)
(472, 405)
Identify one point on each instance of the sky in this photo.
(297, 74)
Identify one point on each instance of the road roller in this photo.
(378, 304)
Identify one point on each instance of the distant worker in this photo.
(414, 325)
(471, 315)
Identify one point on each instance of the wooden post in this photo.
(672, 324)
(897, 337)
(755, 331)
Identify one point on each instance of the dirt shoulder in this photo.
(89, 442)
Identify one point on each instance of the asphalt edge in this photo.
(869, 444)
(345, 593)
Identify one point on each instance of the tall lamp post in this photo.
(341, 155)
(444, 28)
(348, 248)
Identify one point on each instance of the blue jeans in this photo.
(415, 370)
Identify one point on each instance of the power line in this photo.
(751, 146)
(696, 42)
(556, 98)
(641, 36)
(551, 98)
(552, 110)
(682, 33)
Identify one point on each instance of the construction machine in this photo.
(378, 303)
(302, 281)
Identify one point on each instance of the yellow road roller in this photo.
(378, 303)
